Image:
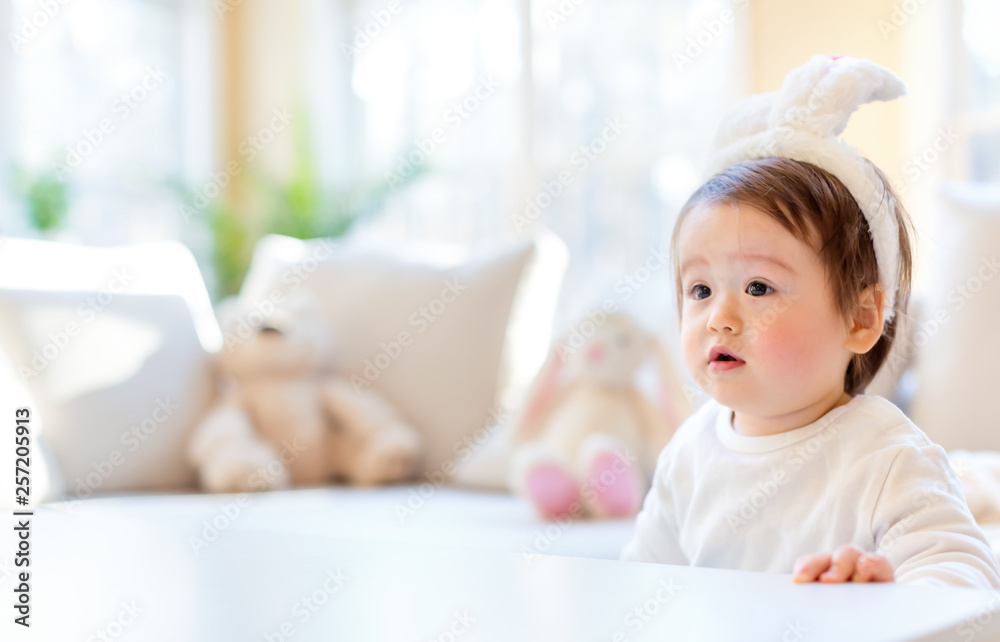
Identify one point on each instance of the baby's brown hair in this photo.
(812, 204)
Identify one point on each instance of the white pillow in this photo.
(957, 343)
(112, 345)
(447, 339)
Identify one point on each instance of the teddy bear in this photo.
(586, 439)
(282, 419)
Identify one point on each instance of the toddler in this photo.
(793, 267)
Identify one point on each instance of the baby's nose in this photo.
(724, 317)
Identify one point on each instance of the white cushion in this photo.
(957, 344)
(111, 344)
(152, 268)
(447, 339)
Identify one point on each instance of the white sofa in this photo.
(150, 340)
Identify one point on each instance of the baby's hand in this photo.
(847, 563)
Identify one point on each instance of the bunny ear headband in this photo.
(803, 121)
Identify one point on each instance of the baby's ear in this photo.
(866, 323)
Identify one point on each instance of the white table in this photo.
(141, 581)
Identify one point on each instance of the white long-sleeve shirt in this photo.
(862, 474)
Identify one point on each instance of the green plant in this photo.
(300, 206)
(232, 247)
(304, 208)
(46, 198)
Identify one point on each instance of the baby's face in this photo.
(752, 288)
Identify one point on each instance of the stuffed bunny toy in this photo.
(586, 441)
(284, 420)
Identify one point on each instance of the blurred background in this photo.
(209, 124)
(214, 122)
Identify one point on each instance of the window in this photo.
(600, 138)
(481, 119)
(110, 103)
(978, 92)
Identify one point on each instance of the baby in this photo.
(793, 267)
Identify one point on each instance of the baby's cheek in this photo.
(790, 350)
(690, 349)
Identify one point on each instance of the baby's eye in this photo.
(756, 288)
(700, 289)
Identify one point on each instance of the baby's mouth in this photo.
(721, 359)
(725, 363)
(721, 354)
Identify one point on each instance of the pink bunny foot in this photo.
(616, 489)
(552, 490)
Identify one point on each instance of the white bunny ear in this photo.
(749, 116)
(821, 95)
